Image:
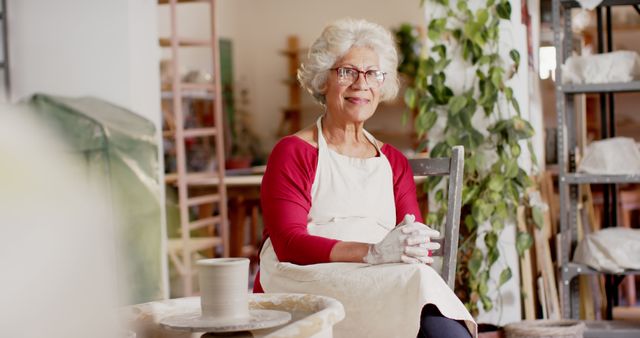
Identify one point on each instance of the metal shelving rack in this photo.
(569, 179)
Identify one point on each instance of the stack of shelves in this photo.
(291, 121)
(212, 208)
(570, 180)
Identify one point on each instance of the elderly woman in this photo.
(333, 194)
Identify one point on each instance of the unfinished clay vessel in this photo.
(223, 288)
(224, 301)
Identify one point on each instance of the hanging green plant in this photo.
(493, 185)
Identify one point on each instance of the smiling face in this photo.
(356, 102)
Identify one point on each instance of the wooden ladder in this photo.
(182, 250)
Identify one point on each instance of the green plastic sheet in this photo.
(120, 152)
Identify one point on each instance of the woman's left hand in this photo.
(419, 241)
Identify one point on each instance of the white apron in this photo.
(352, 200)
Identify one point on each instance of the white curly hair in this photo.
(335, 41)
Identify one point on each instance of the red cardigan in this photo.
(286, 200)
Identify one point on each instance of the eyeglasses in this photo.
(347, 76)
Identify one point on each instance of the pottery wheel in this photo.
(194, 322)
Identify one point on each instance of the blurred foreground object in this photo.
(117, 150)
(57, 253)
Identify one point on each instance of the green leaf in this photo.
(482, 15)
(456, 104)
(469, 193)
(405, 117)
(475, 262)
(501, 210)
(427, 66)
(538, 217)
(505, 275)
(504, 10)
(511, 169)
(497, 224)
(470, 223)
(441, 64)
(486, 210)
(496, 182)
(485, 59)
(515, 56)
(435, 28)
(491, 240)
(515, 150)
(516, 106)
(441, 50)
(496, 76)
(534, 158)
(432, 219)
(487, 304)
(523, 242)
(441, 149)
(430, 119)
(483, 284)
(492, 256)
(410, 97)
(462, 6)
(508, 93)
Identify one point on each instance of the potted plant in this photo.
(484, 116)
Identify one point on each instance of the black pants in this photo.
(434, 325)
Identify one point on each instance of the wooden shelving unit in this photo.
(212, 208)
(291, 121)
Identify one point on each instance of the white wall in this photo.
(102, 48)
(259, 29)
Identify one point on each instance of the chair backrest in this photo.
(454, 168)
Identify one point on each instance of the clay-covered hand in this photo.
(419, 241)
(407, 243)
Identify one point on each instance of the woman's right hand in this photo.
(408, 242)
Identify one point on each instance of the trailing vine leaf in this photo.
(523, 242)
(456, 104)
(410, 97)
(505, 275)
(504, 9)
(482, 16)
(516, 106)
(515, 56)
(538, 217)
(476, 261)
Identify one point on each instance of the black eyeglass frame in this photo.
(380, 83)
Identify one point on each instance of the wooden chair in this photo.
(454, 168)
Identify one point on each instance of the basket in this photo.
(545, 329)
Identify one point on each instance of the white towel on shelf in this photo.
(610, 250)
(614, 156)
(618, 66)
